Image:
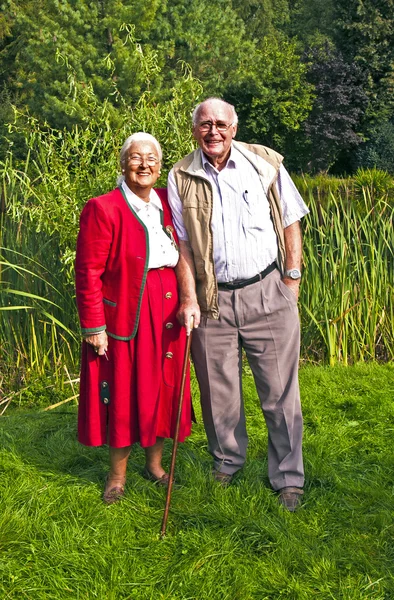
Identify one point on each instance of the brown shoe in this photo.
(115, 493)
(290, 498)
(223, 478)
(163, 480)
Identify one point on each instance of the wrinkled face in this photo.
(214, 143)
(142, 166)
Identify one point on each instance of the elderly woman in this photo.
(127, 300)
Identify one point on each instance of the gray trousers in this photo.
(263, 319)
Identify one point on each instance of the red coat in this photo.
(142, 371)
(112, 264)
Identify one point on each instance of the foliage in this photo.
(333, 123)
(361, 31)
(321, 186)
(98, 42)
(89, 38)
(59, 541)
(312, 21)
(262, 17)
(273, 98)
(38, 321)
(365, 34)
(208, 35)
(41, 392)
(378, 150)
(245, 51)
(374, 183)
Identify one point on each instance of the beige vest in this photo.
(195, 192)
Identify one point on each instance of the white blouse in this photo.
(162, 250)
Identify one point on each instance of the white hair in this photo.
(199, 106)
(140, 136)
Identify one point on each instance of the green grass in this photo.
(58, 541)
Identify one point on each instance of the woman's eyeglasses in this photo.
(137, 159)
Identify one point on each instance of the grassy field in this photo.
(58, 541)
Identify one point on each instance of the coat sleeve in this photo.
(93, 247)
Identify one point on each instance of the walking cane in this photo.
(176, 436)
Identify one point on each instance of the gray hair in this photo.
(198, 108)
(140, 136)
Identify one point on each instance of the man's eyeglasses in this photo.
(208, 125)
(137, 159)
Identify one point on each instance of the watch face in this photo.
(294, 273)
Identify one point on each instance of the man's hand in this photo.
(99, 341)
(186, 311)
(293, 284)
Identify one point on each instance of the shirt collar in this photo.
(231, 161)
(137, 203)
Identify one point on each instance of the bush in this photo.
(39, 393)
(378, 151)
(375, 182)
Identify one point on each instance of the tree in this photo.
(97, 40)
(262, 17)
(311, 21)
(364, 34)
(44, 39)
(207, 34)
(273, 96)
(378, 150)
(333, 123)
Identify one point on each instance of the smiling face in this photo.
(215, 144)
(142, 168)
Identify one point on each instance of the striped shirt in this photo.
(244, 240)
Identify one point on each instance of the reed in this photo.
(38, 318)
(347, 293)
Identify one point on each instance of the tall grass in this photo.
(377, 183)
(347, 293)
(37, 309)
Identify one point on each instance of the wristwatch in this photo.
(293, 274)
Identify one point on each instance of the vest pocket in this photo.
(190, 201)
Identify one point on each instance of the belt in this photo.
(240, 284)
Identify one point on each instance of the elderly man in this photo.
(237, 214)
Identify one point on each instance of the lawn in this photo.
(58, 541)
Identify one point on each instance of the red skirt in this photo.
(133, 396)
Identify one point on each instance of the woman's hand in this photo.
(99, 341)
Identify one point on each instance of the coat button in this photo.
(169, 355)
(104, 384)
(106, 400)
(168, 295)
(169, 325)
